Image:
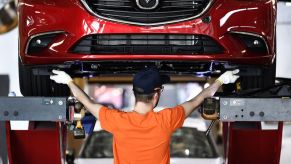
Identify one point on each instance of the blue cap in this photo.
(145, 81)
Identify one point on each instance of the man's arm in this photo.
(225, 78)
(191, 105)
(63, 78)
(91, 106)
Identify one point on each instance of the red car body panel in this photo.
(41, 16)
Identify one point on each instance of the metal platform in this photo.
(241, 114)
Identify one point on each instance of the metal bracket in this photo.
(248, 109)
(34, 108)
(267, 104)
(255, 109)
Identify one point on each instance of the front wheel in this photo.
(266, 79)
(38, 85)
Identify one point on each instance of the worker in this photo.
(143, 136)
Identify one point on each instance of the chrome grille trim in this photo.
(147, 24)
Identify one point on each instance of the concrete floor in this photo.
(286, 144)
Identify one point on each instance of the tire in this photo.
(253, 82)
(37, 85)
(267, 79)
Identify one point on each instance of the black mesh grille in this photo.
(157, 44)
(166, 11)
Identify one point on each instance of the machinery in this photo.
(103, 40)
(246, 141)
(243, 116)
(45, 139)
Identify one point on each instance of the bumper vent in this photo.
(155, 44)
(162, 11)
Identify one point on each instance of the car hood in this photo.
(173, 161)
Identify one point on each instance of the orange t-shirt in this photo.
(141, 139)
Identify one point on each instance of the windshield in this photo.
(185, 143)
(191, 143)
(98, 145)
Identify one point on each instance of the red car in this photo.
(97, 37)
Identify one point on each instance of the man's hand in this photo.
(61, 77)
(225, 78)
(228, 77)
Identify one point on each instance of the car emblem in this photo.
(147, 4)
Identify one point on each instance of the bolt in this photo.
(60, 117)
(6, 113)
(15, 113)
(262, 114)
(225, 117)
(60, 102)
(224, 103)
(252, 113)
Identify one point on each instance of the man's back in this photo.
(142, 139)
